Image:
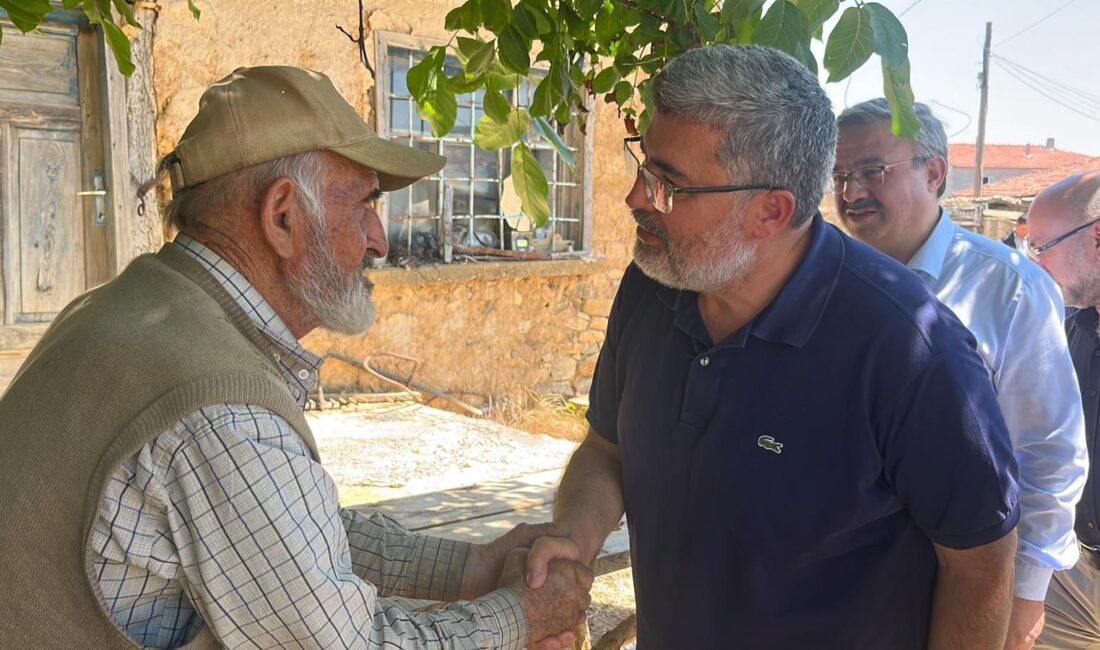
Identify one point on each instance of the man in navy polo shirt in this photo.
(806, 445)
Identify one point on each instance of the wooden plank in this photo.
(487, 499)
(96, 236)
(49, 223)
(38, 68)
(120, 195)
(20, 337)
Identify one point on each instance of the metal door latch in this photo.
(100, 194)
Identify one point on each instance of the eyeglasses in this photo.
(1035, 252)
(659, 192)
(866, 177)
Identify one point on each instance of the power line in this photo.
(906, 10)
(1087, 104)
(969, 120)
(1000, 43)
(1054, 82)
(1045, 93)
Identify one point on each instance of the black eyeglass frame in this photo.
(674, 189)
(1036, 252)
(850, 177)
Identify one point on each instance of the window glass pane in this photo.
(399, 202)
(399, 68)
(566, 175)
(425, 239)
(486, 164)
(398, 236)
(546, 161)
(462, 122)
(425, 198)
(461, 199)
(458, 161)
(399, 115)
(487, 232)
(486, 198)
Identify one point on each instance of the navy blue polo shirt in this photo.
(784, 487)
(1084, 347)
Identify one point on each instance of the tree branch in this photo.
(361, 41)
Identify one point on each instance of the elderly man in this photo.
(807, 448)
(887, 193)
(160, 484)
(1065, 240)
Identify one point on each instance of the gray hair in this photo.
(775, 120)
(931, 143)
(194, 206)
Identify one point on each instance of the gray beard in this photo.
(718, 262)
(340, 301)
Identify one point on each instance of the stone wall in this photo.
(479, 330)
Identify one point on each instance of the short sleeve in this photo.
(948, 455)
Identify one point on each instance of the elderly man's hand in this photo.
(486, 561)
(557, 610)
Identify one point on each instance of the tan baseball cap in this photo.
(257, 115)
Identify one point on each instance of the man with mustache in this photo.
(887, 193)
(1065, 241)
(160, 484)
(807, 448)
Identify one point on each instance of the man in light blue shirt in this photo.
(887, 194)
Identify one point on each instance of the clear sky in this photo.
(945, 50)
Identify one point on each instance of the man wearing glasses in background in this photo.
(887, 193)
(799, 433)
(1065, 232)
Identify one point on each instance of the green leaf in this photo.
(466, 17)
(850, 44)
(496, 104)
(904, 121)
(734, 10)
(891, 41)
(195, 11)
(40, 7)
(524, 21)
(120, 46)
(481, 60)
(531, 186)
(460, 84)
(491, 135)
(515, 51)
(806, 56)
(623, 92)
(24, 20)
(816, 12)
(706, 23)
(780, 28)
(496, 14)
(467, 47)
(440, 109)
(542, 24)
(424, 77)
(547, 131)
(605, 80)
(542, 102)
(126, 11)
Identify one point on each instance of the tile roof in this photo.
(1031, 183)
(1011, 156)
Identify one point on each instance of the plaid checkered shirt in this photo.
(225, 520)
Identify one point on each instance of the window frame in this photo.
(383, 41)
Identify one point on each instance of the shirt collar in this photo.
(793, 315)
(299, 366)
(929, 258)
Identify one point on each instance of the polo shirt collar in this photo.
(930, 257)
(793, 315)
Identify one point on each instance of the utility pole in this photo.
(979, 149)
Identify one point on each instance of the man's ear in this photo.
(282, 220)
(936, 171)
(769, 213)
(1094, 239)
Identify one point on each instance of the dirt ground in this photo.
(388, 450)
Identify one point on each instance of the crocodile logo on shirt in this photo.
(770, 443)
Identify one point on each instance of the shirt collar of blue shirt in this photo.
(930, 257)
(793, 315)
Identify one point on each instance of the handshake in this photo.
(545, 568)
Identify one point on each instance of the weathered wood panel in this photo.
(48, 221)
(39, 68)
(96, 235)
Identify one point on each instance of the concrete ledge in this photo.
(488, 271)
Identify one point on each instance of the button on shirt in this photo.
(1085, 348)
(784, 487)
(226, 520)
(1015, 312)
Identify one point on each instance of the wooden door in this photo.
(54, 238)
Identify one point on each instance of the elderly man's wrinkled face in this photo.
(700, 246)
(343, 242)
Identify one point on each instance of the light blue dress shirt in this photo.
(1015, 311)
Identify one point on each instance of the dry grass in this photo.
(551, 415)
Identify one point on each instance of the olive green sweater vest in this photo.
(118, 366)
